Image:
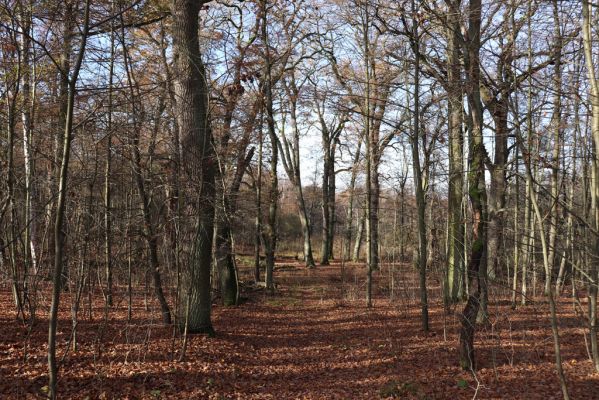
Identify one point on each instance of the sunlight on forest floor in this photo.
(314, 339)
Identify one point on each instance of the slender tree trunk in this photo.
(517, 237)
(556, 123)
(258, 220)
(477, 189)
(587, 13)
(150, 234)
(331, 202)
(291, 162)
(418, 180)
(326, 214)
(528, 242)
(359, 236)
(549, 292)
(107, 175)
(129, 248)
(329, 139)
(59, 235)
(65, 62)
(174, 205)
(371, 228)
(349, 215)
(28, 94)
(273, 192)
(224, 253)
(455, 258)
(11, 101)
(149, 227)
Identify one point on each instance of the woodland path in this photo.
(310, 341)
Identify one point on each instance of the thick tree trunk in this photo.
(191, 89)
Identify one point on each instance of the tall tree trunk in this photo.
(371, 220)
(455, 258)
(191, 89)
(107, 175)
(27, 88)
(258, 220)
(528, 242)
(418, 180)
(368, 220)
(59, 235)
(290, 157)
(556, 125)
(273, 189)
(325, 198)
(331, 203)
(517, 238)
(329, 146)
(587, 13)
(477, 189)
(174, 187)
(11, 94)
(63, 94)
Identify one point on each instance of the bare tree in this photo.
(477, 188)
(71, 74)
(587, 17)
(191, 91)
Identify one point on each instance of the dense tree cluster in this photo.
(147, 143)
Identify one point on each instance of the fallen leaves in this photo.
(311, 341)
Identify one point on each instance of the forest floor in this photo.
(314, 339)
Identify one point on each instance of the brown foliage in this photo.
(314, 339)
